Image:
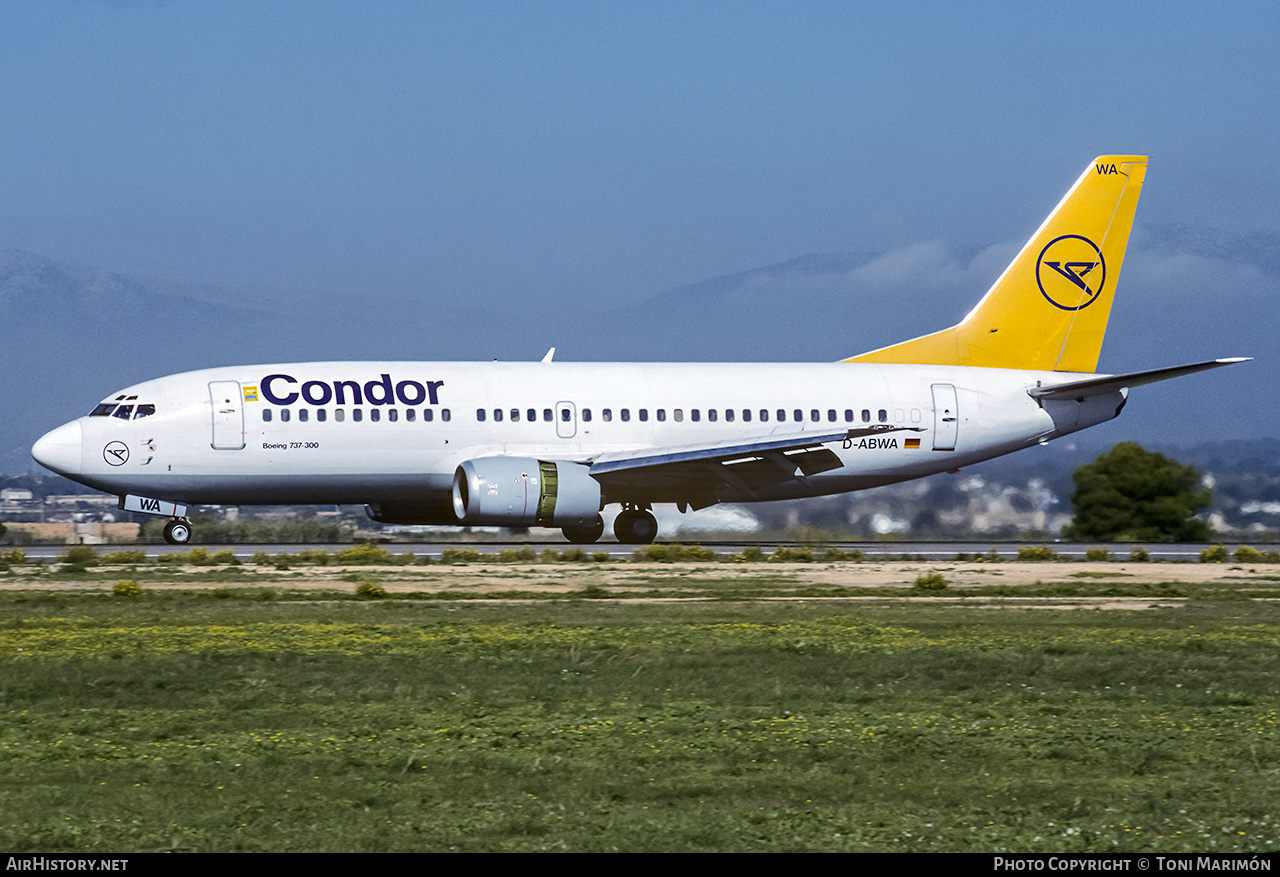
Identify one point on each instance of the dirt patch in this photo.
(969, 575)
(657, 581)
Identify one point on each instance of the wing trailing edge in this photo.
(724, 452)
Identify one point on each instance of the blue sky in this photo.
(579, 155)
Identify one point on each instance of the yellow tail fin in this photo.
(1049, 308)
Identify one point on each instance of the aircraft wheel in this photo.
(177, 532)
(635, 527)
(586, 534)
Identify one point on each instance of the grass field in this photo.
(239, 709)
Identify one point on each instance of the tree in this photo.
(1130, 494)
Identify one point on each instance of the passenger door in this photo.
(227, 399)
(946, 417)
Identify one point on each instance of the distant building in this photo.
(78, 533)
(102, 500)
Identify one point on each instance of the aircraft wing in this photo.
(710, 473)
(1079, 390)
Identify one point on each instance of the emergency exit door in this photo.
(566, 419)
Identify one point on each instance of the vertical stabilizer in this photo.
(1049, 308)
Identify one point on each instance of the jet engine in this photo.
(524, 492)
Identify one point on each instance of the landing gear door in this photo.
(946, 417)
(227, 399)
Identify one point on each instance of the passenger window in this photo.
(393, 415)
(339, 415)
(410, 414)
(446, 415)
(644, 415)
(728, 415)
(375, 414)
(357, 414)
(284, 415)
(546, 415)
(302, 415)
(831, 415)
(480, 414)
(532, 415)
(814, 415)
(782, 415)
(428, 415)
(662, 415)
(764, 415)
(586, 415)
(746, 415)
(866, 415)
(625, 414)
(266, 415)
(497, 415)
(144, 411)
(678, 415)
(883, 415)
(606, 415)
(712, 415)
(320, 415)
(799, 416)
(695, 415)
(515, 415)
(848, 415)
(565, 414)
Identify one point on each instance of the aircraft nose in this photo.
(59, 450)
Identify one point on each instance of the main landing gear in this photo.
(635, 526)
(584, 535)
(177, 532)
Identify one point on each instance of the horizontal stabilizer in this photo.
(1111, 383)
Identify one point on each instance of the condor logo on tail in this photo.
(1076, 272)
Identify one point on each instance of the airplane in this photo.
(551, 444)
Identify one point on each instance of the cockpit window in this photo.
(124, 412)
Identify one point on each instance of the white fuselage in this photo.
(392, 434)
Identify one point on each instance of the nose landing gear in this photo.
(177, 531)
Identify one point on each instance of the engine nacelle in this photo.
(524, 492)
